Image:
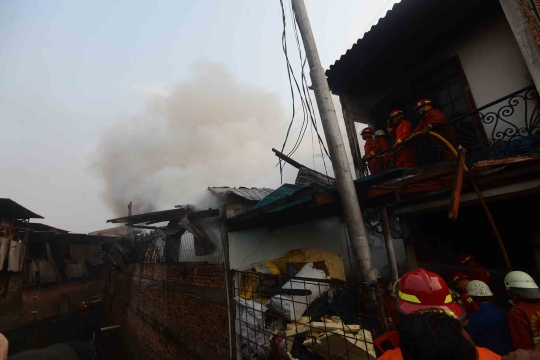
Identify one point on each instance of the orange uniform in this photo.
(383, 145)
(436, 118)
(483, 354)
(390, 129)
(371, 148)
(405, 156)
(524, 323)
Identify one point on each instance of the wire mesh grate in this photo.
(284, 317)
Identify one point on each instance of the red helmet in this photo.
(367, 131)
(465, 258)
(421, 290)
(395, 113)
(458, 276)
(422, 102)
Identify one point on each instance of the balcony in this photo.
(503, 128)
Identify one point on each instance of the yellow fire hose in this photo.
(480, 197)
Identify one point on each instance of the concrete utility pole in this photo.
(344, 180)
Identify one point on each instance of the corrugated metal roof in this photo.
(11, 208)
(408, 32)
(280, 192)
(255, 194)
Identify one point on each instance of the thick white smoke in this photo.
(211, 130)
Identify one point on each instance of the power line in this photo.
(303, 93)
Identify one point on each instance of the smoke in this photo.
(210, 130)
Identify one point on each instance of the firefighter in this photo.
(475, 270)
(459, 283)
(83, 308)
(433, 120)
(382, 139)
(424, 296)
(404, 155)
(488, 327)
(524, 317)
(371, 148)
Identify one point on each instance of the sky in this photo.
(75, 76)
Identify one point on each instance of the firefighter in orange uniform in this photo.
(524, 317)
(382, 140)
(459, 282)
(371, 148)
(424, 291)
(405, 156)
(475, 270)
(433, 119)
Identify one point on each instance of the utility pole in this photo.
(344, 180)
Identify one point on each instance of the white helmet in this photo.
(380, 133)
(519, 280)
(478, 288)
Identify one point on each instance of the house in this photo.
(479, 62)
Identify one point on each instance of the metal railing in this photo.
(283, 317)
(509, 126)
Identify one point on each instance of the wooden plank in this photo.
(336, 326)
(417, 178)
(374, 192)
(456, 188)
(509, 160)
(325, 198)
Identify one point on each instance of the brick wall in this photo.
(531, 18)
(171, 311)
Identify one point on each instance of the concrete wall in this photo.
(492, 62)
(254, 245)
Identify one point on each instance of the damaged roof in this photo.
(11, 208)
(254, 194)
(166, 215)
(404, 190)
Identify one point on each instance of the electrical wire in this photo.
(303, 92)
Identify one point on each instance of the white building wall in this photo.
(254, 245)
(494, 67)
(492, 62)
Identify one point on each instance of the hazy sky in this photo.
(71, 71)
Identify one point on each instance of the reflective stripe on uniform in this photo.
(399, 141)
(448, 299)
(409, 298)
(536, 339)
(469, 300)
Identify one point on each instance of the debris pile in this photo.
(294, 309)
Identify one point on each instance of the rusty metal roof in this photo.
(255, 194)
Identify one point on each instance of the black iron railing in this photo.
(506, 127)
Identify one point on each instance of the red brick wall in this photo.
(172, 311)
(531, 19)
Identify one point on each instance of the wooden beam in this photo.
(287, 159)
(456, 188)
(374, 192)
(325, 198)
